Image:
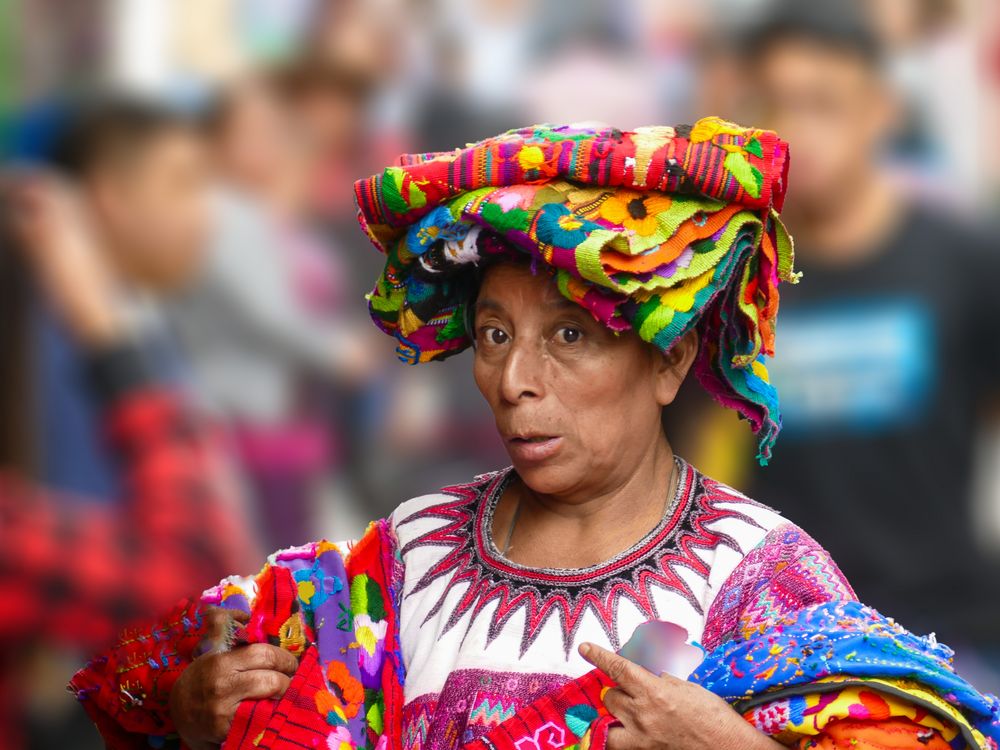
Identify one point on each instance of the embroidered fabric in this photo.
(791, 647)
(479, 628)
(677, 556)
(660, 231)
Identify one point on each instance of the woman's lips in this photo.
(533, 449)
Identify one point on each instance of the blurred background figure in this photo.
(208, 148)
(262, 314)
(935, 73)
(888, 357)
(118, 221)
(138, 168)
(76, 567)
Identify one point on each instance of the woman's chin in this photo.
(547, 478)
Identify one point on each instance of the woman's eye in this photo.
(494, 335)
(570, 335)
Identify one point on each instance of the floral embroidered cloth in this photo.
(422, 636)
(660, 230)
(335, 611)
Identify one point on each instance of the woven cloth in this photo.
(658, 230)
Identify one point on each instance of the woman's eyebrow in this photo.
(485, 303)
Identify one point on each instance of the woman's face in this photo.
(578, 407)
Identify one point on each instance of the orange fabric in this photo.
(670, 250)
(865, 734)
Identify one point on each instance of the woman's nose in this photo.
(521, 376)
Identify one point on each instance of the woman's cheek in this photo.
(600, 430)
(486, 378)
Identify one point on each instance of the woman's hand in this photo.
(660, 713)
(205, 697)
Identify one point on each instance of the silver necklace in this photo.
(671, 490)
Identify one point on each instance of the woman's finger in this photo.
(618, 703)
(628, 675)
(264, 656)
(220, 626)
(219, 620)
(620, 738)
(257, 684)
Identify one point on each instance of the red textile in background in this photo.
(73, 573)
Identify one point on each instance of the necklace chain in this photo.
(671, 491)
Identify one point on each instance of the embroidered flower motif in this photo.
(314, 585)
(340, 739)
(681, 298)
(375, 716)
(402, 193)
(344, 698)
(464, 250)
(307, 590)
(422, 236)
(635, 211)
(751, 178)
(439, 224)
(292, 634)
(370, 635)
(366, 597)
(531, 157)
(515, 196)
(772, 718)
(708, 128)
(559, 226)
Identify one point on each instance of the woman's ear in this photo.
(673, 367)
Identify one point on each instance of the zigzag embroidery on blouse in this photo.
(472, 559)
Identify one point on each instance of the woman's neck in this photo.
(592, 523)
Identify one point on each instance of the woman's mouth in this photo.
(533, 448)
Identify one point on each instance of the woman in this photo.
(590, 269)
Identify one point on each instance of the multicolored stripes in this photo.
(661, 231)
(714, 158)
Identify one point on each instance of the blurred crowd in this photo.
(188, 377)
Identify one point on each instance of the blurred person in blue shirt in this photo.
(887, 353)
(117, 221)
(138, 169)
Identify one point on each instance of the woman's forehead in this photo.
(511, 281)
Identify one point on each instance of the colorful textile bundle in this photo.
(659, 231)
(833, 648)
(836, 674)
(337, 612)
(826, 673)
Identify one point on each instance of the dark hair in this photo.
(112, 126)
(838, 24)
(472, 280)
(17, 433)
(307, 75)
(287, 83)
